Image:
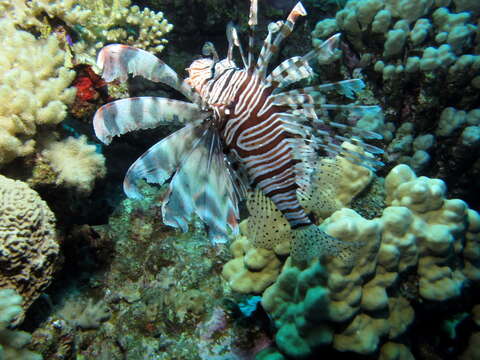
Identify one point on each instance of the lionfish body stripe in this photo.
(244, 132)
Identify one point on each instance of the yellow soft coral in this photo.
(33, 88)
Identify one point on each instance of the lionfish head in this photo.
(205, 69)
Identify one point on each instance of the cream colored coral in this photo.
(395, 351)
(96, 23)
(33, 88)
(253, 269)
(473, 350)
(116, 21)
(345, 283)
(420, 231)
(28, 244)
(76, 163)
(436, 224)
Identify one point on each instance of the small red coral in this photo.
(85, 89)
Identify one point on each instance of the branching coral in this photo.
(33, 87)
(96, 23)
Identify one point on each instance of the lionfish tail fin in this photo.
(311, 242)
(117, 61)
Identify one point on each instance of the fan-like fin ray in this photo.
(233, 40)
(117, 61)
(252, 23)
(121, 116)
(159, 162)
(204, 185)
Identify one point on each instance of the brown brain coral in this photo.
(28, 245)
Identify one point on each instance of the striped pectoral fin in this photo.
(203, 185)
(122, 116)
(311, 242)
(118, 61)
(349, 88)
(159, 162)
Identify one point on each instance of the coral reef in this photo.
(34, 90)
(116, 21)
(93, 22)
(161, 296)
(256, 265)
(75, 163)
(415, 57)
(29, 247)
(364, 304)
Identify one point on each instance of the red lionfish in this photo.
(241, 132)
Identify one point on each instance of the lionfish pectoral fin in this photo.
(159, 162)
(121, 116)
(312, 242)
(118, 61)
(203, 185)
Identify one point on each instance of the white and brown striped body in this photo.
(274, 136)
(252, 130)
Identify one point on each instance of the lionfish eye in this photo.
(208, 49)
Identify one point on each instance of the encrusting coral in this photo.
(28, 243)
(75, 162)
(419, 232)
(33, 87)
